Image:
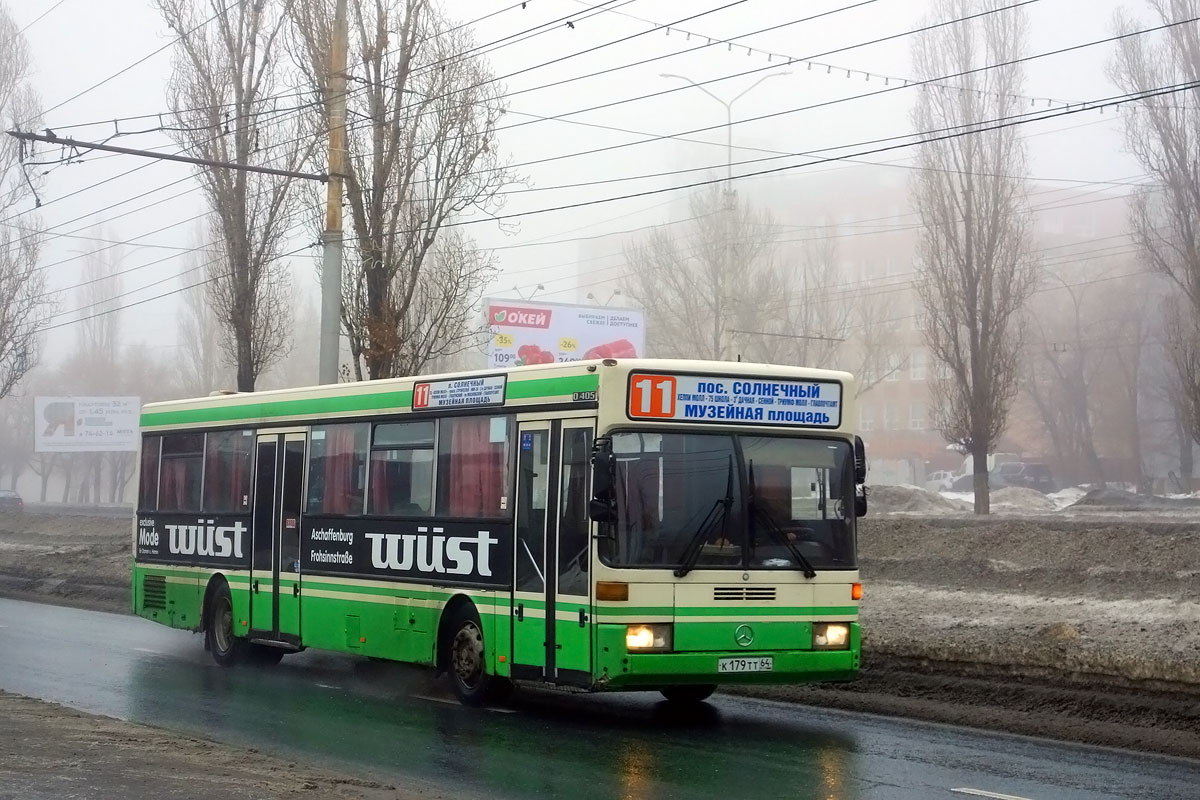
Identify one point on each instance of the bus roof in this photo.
(521, 386)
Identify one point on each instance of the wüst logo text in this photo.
(206, 539)
(451, 555)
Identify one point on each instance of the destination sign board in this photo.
(460, 393)
(745, 400)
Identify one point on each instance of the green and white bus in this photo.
(600, 525)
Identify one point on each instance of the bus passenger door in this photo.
(262, 573)
(572, 591)
(275, 560)
(291, 496)
(533, 601)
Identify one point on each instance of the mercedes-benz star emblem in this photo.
(744, 635)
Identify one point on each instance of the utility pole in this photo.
(730, 194)
(331, 261)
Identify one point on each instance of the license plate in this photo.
(745, 664)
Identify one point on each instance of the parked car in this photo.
(11, 501)
(1029, 475)
(939, 480)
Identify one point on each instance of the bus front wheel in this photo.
(688, 695)
(466, 661)
(226, 648)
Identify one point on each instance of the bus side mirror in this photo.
(860, 503)
(603, 507)
(860, 462)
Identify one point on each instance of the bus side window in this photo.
(473, 466)
(573, 525)
(402, 469)
(337, 469)
(182, 472)
(227, 469)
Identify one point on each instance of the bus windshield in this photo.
(747, 502)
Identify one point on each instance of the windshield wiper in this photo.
(765, 517)
(719, 513)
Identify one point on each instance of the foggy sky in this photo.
(84, 41)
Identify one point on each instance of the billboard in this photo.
(528, 332)
(85, 424)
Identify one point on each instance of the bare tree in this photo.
(714, 283)
(25, 305)
(1163, 133)
(225, 76)
(422, 153)
(975, 272)
(200, 366)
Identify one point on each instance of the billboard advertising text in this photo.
(85, 424)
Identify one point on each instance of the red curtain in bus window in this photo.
(380, 501)
(339, 470)
(173, 489)
(216, 496)
(239, 478)
(476, 469)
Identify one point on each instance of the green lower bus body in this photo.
(402, 623)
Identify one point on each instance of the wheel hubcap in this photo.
(223, 626)
(467, 655)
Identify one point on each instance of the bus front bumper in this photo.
(619, 669)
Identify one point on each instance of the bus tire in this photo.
(226, 648)
(688, 695)
(466, 660)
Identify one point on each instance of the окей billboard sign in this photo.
(544, 333)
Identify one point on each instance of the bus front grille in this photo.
(742, 593)
(154, 591)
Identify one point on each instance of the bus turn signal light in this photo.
(856, 591)
(612, 590)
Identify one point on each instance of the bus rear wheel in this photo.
(689, 695)
(466, 661)
(226, 648)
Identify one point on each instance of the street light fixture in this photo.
(594, 299)
(536, 289)
(728, 110)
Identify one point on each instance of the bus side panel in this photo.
(171, 596)
(500, 641)
(239, 595)
(389, 623)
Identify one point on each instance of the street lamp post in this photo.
(718, 332)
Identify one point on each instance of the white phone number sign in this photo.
(692, 398)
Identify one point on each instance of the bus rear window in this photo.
(473, 474)
(148, 483)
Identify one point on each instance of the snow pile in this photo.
(905, 499)
(1018, 499)
(1067, 497)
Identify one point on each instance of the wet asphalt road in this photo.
(392, 722)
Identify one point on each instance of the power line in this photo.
(35, 21)
(824, 104)
(135, 64)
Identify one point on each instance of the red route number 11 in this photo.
(421, 393)
(651, 396)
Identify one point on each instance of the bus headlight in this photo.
(831, 636)
(648, 637)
